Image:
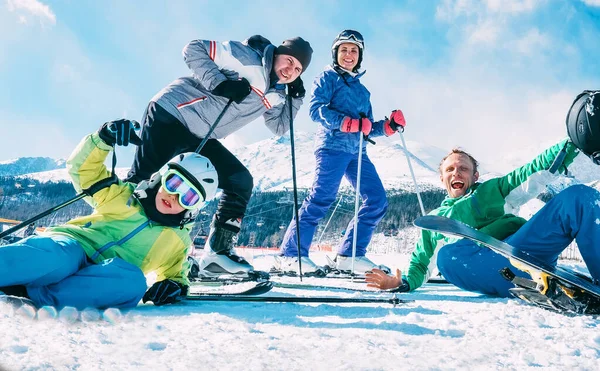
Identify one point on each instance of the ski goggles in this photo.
(175, 183)
(351, 36)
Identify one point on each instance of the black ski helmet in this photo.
(583, 123)
(348, 36)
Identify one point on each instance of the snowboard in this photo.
(551, 287)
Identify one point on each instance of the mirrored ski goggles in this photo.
(176, 184)
(351, 36)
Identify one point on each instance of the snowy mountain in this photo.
(28, 165)
(270, 163)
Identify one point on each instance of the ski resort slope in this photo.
(443, 329)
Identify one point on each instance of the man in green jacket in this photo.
(573, 214)
(100, 260)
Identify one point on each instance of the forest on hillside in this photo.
(267, 216)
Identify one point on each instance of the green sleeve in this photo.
(420, 259)
(543, 162)
(86, 167)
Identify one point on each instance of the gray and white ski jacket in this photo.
(190, 100)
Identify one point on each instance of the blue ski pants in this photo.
(573, 214)
(56, 271)
(331, 167)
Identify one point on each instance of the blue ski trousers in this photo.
(331, 167)
(573, 214)
(56, 271)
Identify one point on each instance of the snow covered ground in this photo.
(443, 329)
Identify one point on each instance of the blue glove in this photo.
(165, 292)
(120, 132)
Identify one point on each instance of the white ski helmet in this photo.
(193, 167)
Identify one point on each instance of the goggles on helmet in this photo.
(174, 183)
(352, 37)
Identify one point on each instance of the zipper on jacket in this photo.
(121, 241)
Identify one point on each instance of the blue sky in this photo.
(493, 76)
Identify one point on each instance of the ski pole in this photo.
(295, 184)
(329, 220)
(212, 128)
(412, 173)
(90, 191)
(357, 193)
(106, 182)
(291, 299)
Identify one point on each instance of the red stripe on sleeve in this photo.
(213, 50)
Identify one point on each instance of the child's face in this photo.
(167, 203)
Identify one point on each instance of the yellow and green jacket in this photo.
(488, 207)
(116, 229)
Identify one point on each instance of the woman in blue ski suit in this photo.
(338, 102)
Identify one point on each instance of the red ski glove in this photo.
(350, 125)
(394, 123)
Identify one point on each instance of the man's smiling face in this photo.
(457, 173)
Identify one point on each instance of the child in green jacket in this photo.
(100, 260)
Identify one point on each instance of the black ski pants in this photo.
(164, 137)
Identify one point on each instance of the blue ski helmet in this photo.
(348, 36)
(583, 123)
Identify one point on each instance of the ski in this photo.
(562, 290)
(308, 284)
(254, 276)
(218, 289)
(302, 299)
(329, 275)
(318, 286)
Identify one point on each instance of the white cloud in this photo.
(471, 105)
(532, 42)
(591, 2)
(449, 10)
(32, 8)
(486, 32)
(512, 6)
(484, 21)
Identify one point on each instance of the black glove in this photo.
(165, 292)
(120, 132)
(404, 287)
(233, 89)
(296, 88)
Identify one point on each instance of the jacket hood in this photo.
(258, 43)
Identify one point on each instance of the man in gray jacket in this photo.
(253, 75)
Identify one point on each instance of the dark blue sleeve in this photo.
(322, 92)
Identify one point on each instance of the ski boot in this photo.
(288, 265)
(362, 265)
(551, 293)
(220, 261)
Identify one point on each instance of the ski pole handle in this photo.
(395, 126)
(365, 137)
